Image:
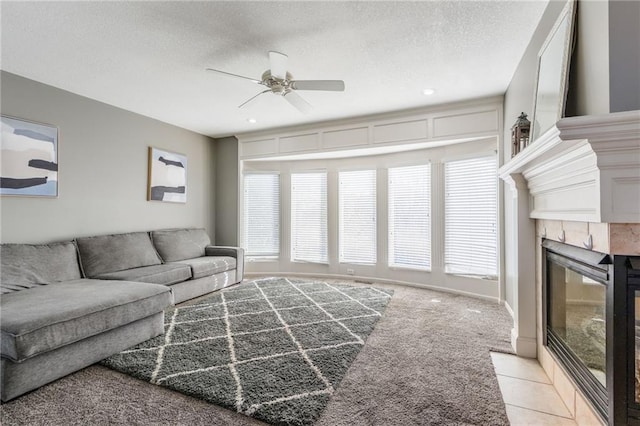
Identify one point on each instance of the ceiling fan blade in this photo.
(297, 101)
(278, 63)
(333, 85)
(235, 75)
(252, 98)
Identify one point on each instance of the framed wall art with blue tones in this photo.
(167, 176)
(28, 158)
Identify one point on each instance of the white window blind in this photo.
(309, 217)
(261, 221)
(357, 217)
(410, 216)
(471, 202)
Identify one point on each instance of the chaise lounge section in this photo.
(67, 305)
(54, 322)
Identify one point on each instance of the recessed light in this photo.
(252, 120)
(428, 92)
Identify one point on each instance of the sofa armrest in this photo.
(237, 252)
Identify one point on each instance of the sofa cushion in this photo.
(111, 253)
(209, 265)
(165, 274)
(41, 319)
(179, 244)
(10, 288)
(28, 265)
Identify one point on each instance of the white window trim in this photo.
(435, 277)
(291, 230)
(241, 204)
(375, 223)
(399, 266)
(480, 276)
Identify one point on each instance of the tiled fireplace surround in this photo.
(612, 238)
(579, 183)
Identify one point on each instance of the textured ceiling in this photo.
(150, 57)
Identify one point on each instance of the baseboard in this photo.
(369, 280)
(508, 307)
(524, 346)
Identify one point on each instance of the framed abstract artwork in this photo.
(167, 176)
(28, 158)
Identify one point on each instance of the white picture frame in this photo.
(167, 176)
(29, 158)
(552, 73)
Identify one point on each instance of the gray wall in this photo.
(519, 98)
(519, 94)
(605, 70)
(226, 166)
(589, 79)
(605, 66)
(624, 55)
(103, 169)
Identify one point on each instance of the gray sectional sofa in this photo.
(67, 305)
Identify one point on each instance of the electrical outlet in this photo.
(351, 271)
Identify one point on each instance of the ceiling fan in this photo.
(280, 82)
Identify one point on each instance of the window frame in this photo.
(496, 219)
(391, 265)
(291, 214)
(243, 234)
(375, 262)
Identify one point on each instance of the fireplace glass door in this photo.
(577, 317)
(592, 325)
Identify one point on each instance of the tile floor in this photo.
(528, 394)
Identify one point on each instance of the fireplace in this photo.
(591, 312)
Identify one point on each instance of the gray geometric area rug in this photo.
(274, 348)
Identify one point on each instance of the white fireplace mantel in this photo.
(583, 169)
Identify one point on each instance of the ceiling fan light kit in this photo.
(280, 82)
